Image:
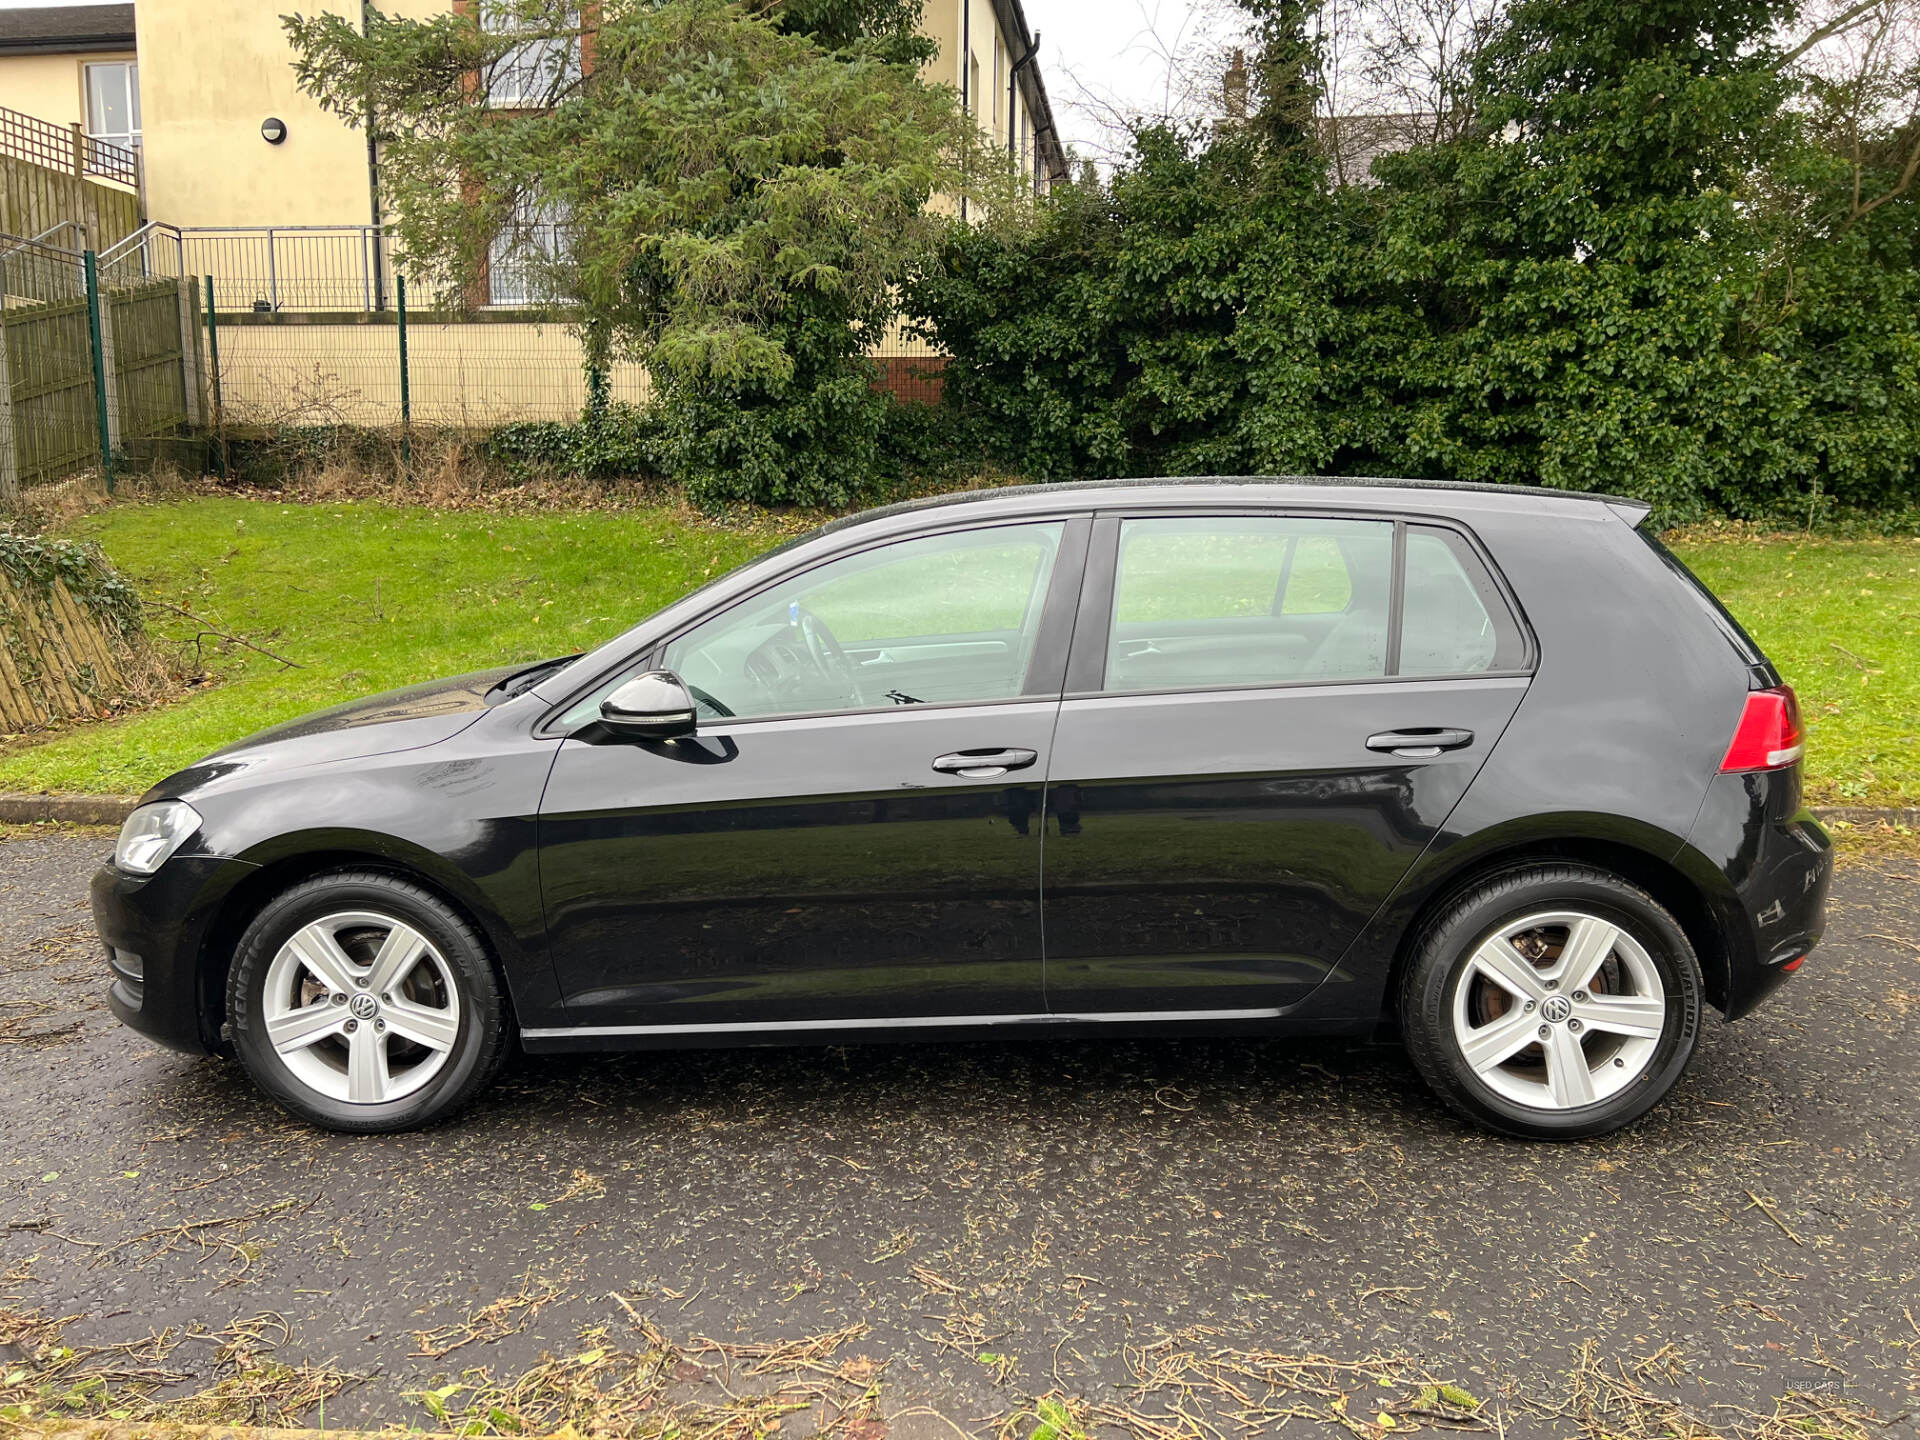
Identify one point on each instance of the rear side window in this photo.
(1239, 600)
(1454, 619)
(1273, 600)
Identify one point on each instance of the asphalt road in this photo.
(1076, 1213)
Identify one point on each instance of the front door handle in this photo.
(1420, 742)
(984, 764)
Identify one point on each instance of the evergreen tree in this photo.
(738, 188)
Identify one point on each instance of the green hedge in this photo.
(1639, 270)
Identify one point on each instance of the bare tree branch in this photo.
(1845, 20)
(1908, 173)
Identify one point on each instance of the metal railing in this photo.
(66, 147)
(272, 268)
(155, 250)
(292, 267)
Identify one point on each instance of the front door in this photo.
(1268, 719)
(854, 834)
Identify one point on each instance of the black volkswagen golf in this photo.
(1485, 767)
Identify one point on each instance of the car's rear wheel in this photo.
(363, 1002)
(1552, 1002)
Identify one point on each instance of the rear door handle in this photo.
(984, 764)
(1420, 742)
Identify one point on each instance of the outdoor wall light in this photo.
(273, 130)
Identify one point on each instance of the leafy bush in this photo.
(1637, 270)
(609, 440)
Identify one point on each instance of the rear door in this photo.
(1268, 716)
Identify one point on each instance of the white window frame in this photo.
(529, 240)
(130, 83)
(528, 75)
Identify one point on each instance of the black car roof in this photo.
(1096, 488)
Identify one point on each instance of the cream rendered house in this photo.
(73, 65)
(214, 72)
(257, 186)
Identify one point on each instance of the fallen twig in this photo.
(1766, 1208)
(209, 628)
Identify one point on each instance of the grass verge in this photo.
(344, 599)
(354, 595)
(1841, 618)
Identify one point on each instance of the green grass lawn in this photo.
(366, 597)
(1841, 618)
(363, 597)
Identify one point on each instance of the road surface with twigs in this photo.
(1100, 1221)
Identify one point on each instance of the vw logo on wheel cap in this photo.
(1554, 1008)
(363, 1006)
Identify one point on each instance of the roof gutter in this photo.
(67, 45)
(1049, 155)
(1013, 103)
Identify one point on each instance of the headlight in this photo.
(152, 833)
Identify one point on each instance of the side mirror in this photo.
(653, 706)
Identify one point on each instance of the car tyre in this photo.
(362, 1002)
(1552, 1001)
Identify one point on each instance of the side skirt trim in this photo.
(916, 1022)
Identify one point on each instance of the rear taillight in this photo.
(1769, 736)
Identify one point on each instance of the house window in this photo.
(521, 258)
(113, 104)
(999, 82)
(528, 76)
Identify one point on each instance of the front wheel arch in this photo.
(248, 898)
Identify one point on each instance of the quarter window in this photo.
(943, 619)
(1455, 620)
(1249, 601)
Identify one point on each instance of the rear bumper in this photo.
(155, 929)
(1776, 866)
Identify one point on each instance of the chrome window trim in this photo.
(1320, 683)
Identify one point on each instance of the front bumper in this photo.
(1778, 862)
(155, 928)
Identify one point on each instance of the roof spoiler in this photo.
(1631, 511)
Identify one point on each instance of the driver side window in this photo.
(942, 619)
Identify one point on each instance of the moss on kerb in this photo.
(34, 562)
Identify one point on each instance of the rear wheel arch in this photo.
(248, 898)
(1664, 879)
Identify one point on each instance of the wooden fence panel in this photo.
(50, 365)
(34, 198)
(147, 357)
(56, 660)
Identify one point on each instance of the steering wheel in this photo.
(827, 656)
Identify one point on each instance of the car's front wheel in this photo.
(363, 1002)
(1552, 1002)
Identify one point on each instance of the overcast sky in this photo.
(1108, 58)
(1101, 57)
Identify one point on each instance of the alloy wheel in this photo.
(1559, 1010)
(361, 1008)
